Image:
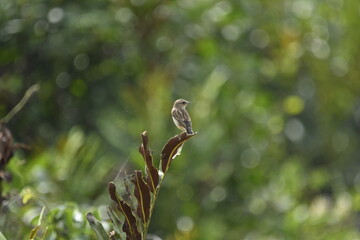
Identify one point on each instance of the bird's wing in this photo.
(177, 114)
(188, 124)
(181, 115)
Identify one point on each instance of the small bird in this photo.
(181, 117)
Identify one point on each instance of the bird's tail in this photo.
(188, 128)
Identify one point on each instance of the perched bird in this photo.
(181, 117)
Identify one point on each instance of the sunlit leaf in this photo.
(26, 194)
(2, 237)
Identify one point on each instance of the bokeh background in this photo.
(275, 92)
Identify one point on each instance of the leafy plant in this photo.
(131, 217)
(35, 230)
(7, 145)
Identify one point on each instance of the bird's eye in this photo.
(184, 102)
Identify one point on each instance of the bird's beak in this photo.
(188, 102)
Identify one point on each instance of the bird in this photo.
(181, 117)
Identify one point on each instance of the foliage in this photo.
(7, 147)
(274, 86)
(140, 192)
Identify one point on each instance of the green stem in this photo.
(152, 205)
(21, 104)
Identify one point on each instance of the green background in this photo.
(274, 87)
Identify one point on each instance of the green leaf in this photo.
(97, 227)
(2, 237)
(116, 222)
(34, 232)
(36, 229)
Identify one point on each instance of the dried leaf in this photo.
(131, 200)
(129, 227)
(152, 173)
(7, 148)
(6, 145)
(5, 176)
(142, 194)
(97, 227)
(171, 149)
(135, 204)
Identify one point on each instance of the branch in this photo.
(34, 88)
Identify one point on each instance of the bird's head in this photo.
(181, 103)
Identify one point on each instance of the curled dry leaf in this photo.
(142, 195)
(7, 148)
(152, 178)
(130, 226)
(137, 201)
(6, 145)
(171, 149)
(5, 176)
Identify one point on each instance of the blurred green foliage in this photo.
(274, 86)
